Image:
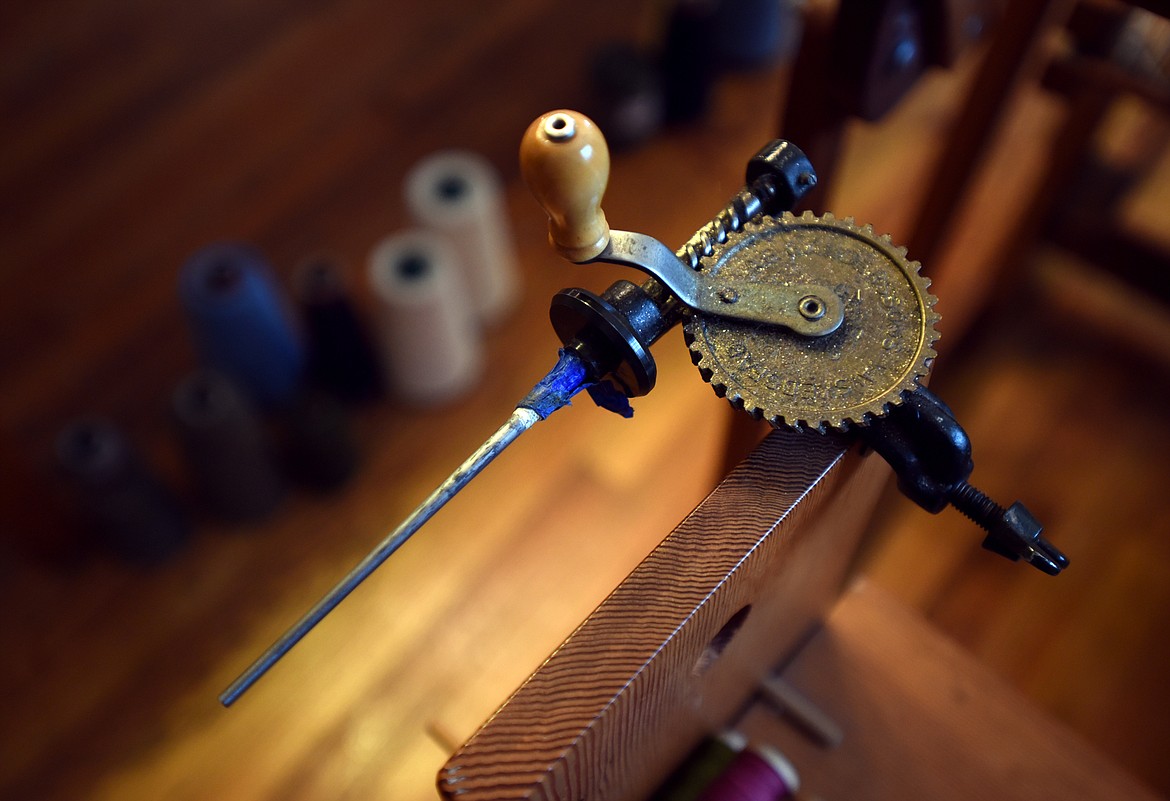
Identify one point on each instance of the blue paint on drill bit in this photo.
(556, 389)
(607, 396)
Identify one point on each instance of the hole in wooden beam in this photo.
(720, 641)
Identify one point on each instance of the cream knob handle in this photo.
(565, 162)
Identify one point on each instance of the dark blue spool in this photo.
(688, 70)
(754, 34)
(241, 322)
(342, 355)
(627, 95)
(131, 512)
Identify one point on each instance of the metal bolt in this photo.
(1013, 533)
(982, 510)
(728, 295)
(811, 307)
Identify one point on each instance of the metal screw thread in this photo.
(980, 509)
(744, 206)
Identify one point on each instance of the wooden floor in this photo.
(135, 133)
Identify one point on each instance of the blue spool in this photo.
(241, 322)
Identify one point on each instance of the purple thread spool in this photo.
(759, 773)
(342, 355)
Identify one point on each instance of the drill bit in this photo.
(553, 392)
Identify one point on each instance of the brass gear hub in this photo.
(882, 350)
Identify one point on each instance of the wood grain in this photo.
(680, 644)
(923, 719)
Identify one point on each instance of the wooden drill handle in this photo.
(565, 162)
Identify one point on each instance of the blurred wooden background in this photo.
(134, 133)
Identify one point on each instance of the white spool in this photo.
(429, 330)
(459, 194)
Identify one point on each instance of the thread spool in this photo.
(710, 759)
(688, 71)
(753, 34)
(459, 194)
(341, 354)
(241, 321)
(627, 95)
(758, 773)
(318, 446)
(429, 330)
(132, 513)
(226, 449)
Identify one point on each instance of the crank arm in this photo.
(805, 309)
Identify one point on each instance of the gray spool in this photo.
(226, 449)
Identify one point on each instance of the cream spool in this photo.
(429, 330)
(459, 194)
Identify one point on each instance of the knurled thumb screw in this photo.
(1013, 532)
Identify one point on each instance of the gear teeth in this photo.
(778, 421)
(737, 401)
(805, 425)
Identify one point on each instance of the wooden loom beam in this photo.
(678, 648)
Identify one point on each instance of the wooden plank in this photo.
(677, 649)
(923, 719)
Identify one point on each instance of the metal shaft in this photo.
(520, 421)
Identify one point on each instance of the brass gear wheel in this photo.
(882, 349)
